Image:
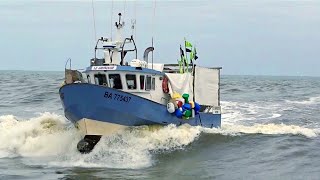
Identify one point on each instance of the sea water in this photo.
(270, 130)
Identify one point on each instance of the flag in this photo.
(183, 58)
(188, 46)
(181, 52)
(191, 56)
(195, 54)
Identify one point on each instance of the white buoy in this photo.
(170, 107)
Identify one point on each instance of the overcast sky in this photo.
(245, 37)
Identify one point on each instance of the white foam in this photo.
(50, 136)
(309, 101)
(133, 148)
(275, 115)
(234, 112)
(269, 129)
(45, 135)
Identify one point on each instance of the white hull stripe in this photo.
(93, 127)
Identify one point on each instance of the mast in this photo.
(119, 26)
(154, 14)
(112, 48)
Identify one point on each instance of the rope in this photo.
(94, 22)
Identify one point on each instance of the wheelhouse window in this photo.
(131, 81)
(89, 79)
(148, 83)
(100, 79)
(115, 81)
(142, 82)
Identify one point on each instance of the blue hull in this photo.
(113, 106)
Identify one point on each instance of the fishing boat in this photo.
(114, 93)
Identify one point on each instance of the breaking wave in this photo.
(52, 136)
(309, 101)
(45, 135)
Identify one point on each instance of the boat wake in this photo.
(52, 140)
(268, 129)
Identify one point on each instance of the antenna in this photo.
(94, 22)
(135, 17)
(154, 14)
(119, 17)
(133, 24)
(119, 24)
(124, 7)
(111, 20)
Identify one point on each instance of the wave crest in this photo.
(41, 136)
(309, 101)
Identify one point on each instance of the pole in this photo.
(152, 43)
(94, 22)
(111, 24)
(186, 57)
